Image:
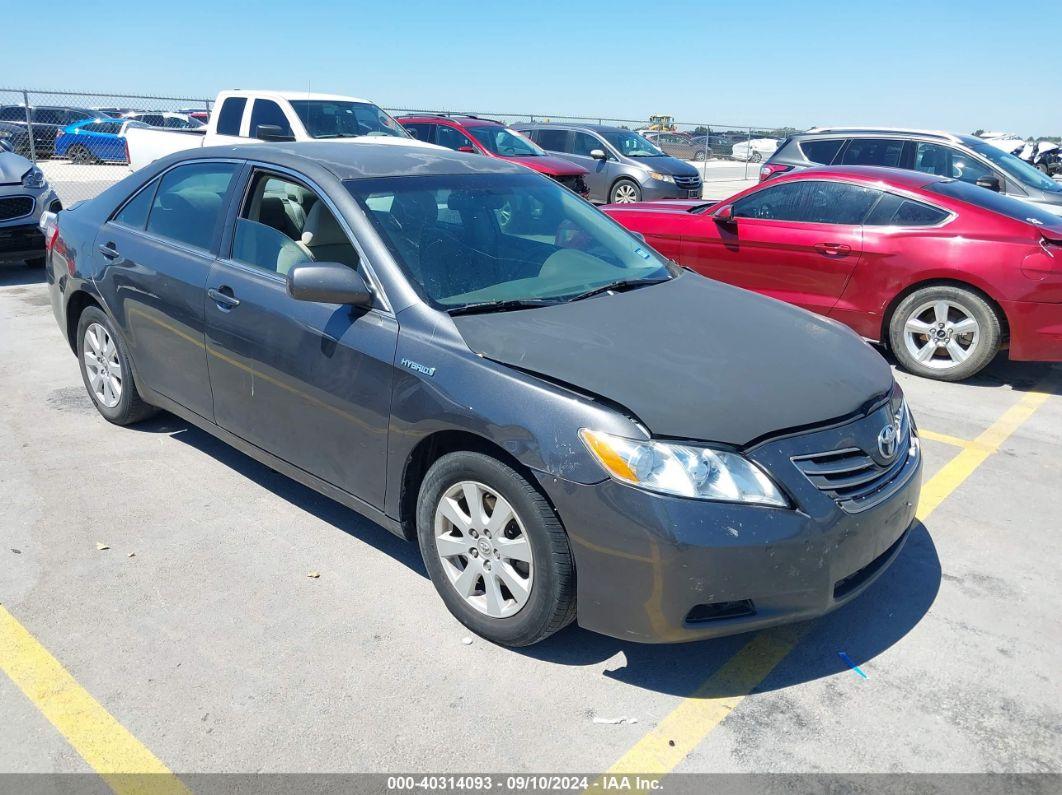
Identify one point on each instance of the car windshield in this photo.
(502, 240)
(631, 144)
(505, 142)
(334, 118)
(1017, 209)
(1017, 168)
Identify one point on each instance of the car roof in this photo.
(360, 160)
(461, 121)
(290, 95)
(895, 177)
(889, 131)
(598, 128)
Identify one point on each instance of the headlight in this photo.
(34, 178)
(662, 177)
(684, 470)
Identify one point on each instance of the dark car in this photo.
(623, 166)
(45, 123)
(961, 157)
(677, 144)
(571, 426)
(493, 139)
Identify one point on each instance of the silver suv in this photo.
(24, 195)
(961, 157)
(624, 167)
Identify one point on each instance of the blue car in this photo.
(95, 141)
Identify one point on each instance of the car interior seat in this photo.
(325, 239)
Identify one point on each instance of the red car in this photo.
(944, 272)
(494, 139)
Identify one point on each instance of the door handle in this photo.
(223, 297)
(834, 249)
(108, 250)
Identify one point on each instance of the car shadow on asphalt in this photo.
(1001, 371)
(18, 274)
(862, 629)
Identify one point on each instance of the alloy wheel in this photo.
(624, 193)
(102, 365)
(484, 549)
(941, 334)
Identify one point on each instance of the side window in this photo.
(230, 115)
(49, 116)
(895, 210)
(420, 131)
(135, 211)
(583, 144)
(451, 138)
(837, 203)
(821, 152)
(189, 201)
(785, 202)
(967, 169)
(284, 223)
(266, 111)
(932, 159)
(553, 140)
(873, 152)
(12, 113)
(111, 128)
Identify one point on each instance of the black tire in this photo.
(130, 407)
(621, 187)
(80, 155)
(698, 156)
(989, 331)
(550, 605)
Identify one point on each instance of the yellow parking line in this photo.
(108, 747)
(674, 737)
(933, 436)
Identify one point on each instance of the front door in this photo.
(798, 241)
(159, 251)
(308, 382)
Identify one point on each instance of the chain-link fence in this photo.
(78, 138)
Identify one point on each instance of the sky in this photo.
(952, 65)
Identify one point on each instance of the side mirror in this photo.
(598, 154)
(272, 132)
(992, 183)
(467, 149)
(724, 215)
(328, 283)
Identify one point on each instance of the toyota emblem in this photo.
(888, 441)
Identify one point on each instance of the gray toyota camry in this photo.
(570, 426)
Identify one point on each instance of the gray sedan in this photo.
(570, 426)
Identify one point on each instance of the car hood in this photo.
(693, 358)
(12, 167)
(667, 165)
(672, 206)
(545, 164)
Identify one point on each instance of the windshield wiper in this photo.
(617, 287)
(500, 306)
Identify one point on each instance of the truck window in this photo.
(266, 111)
(230, 115)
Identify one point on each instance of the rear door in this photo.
(795, 241)
(157, 250)
(308, 382)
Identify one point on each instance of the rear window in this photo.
(895, 210)
(996, 202)
(821, 152)
(230, 115)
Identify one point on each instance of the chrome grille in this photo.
(857, 480)
(688, 182)
(15, 207)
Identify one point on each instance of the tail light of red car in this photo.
(768, 170)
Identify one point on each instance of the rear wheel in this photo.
(80, 155)
(495, 550)
(625, 191)
(107, 371)
(698, 156)
(755, 157)
(944, 332)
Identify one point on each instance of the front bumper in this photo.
(655, 189)
(658, 569)
(21, 242)
(1035, 331)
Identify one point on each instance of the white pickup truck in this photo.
(241, 117)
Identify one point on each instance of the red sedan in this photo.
(944, 272)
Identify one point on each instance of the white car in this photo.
(242, 117)
(170, 121)
(754, 151)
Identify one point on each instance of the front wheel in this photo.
(495, 550)
(946, 333)
(107, 370)
(755, 157)
(625, 192)
(80, 155)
